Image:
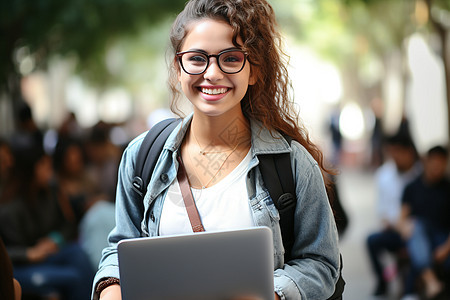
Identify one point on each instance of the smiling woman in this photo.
(234, 75)
(210, 62)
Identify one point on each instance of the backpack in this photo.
(275, 170)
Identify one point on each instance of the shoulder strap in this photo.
(279, 180)
(149, 152)
(188, 199)
(277, 176)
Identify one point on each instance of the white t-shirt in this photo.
(390, 185)
(223, 206)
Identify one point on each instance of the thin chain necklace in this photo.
(203, 152)
(204, 186)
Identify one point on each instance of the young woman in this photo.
(228, 62)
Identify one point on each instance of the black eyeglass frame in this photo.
(208, 56)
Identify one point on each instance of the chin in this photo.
(210, 113)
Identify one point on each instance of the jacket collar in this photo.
(264, 141)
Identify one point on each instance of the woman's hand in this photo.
(112, 292)
(254, 298)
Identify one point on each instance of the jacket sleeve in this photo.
(129, 214)
(314, 269)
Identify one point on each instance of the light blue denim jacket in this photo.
(315, 269)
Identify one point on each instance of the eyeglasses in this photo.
(195, 62)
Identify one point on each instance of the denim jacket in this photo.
(312, 273)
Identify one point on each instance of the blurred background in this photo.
(361, 69)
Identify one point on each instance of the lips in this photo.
(213, 93)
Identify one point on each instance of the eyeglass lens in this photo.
(229, 62)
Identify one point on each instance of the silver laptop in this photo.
(221, 265)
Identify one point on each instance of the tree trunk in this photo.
(10, 100)
(443, 36)
(446, 59)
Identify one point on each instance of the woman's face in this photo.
(6, 160)
(73, 160)
(43, 170)
(435, 167)
(213, 93)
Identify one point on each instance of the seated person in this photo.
(400, 169)
(37, 228)
(425, 224)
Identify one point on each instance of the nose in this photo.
(213, 72)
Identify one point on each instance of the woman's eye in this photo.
(232, 57)
(197, 59)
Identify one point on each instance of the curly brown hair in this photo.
(269, 100)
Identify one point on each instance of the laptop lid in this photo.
(205, 265)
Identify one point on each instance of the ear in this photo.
(254, 72)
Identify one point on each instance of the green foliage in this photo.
(82, 28)
(139, 60)
(355, 35)
(342, 29)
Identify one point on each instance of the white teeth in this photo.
(214, 91)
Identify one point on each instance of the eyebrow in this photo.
(205, 52)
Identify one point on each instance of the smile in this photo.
(214, 91)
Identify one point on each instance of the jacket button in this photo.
(164, 177)
(152, 217)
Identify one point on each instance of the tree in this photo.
(37, 30)
(357, 34)
(438, 10)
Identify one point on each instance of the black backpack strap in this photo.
(149, 152)
(278, 178)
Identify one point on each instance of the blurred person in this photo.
(377, 157)
(27, 134)
(6, 164)
(336, 136)
(377, 136)
(39, 232)
(70, 165)
(425, 223)
(340, 214)
(227, 59)
(70, 128)
(401, 168)
(93, 209)
(103, 159)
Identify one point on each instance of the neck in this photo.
(213, 147)
(220, 131)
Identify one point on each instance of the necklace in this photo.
(204, 186)
(203, 152)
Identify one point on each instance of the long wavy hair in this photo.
(269, 100)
